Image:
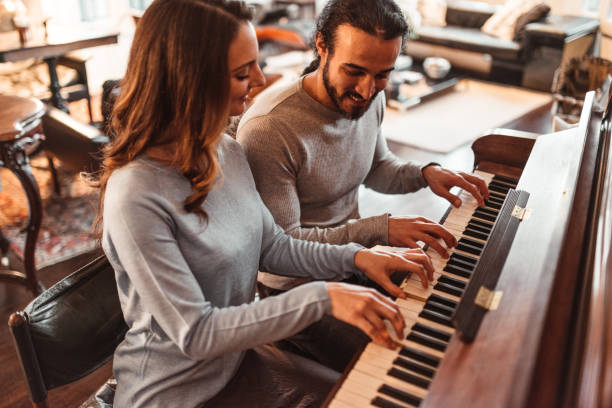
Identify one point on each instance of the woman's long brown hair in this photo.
(176, 89)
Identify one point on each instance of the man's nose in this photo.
(366, 87)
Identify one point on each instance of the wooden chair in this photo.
(69, 331)
(77, 88)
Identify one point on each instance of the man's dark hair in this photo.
(382, 18)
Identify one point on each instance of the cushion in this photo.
(536, 13)
(409, 8)
(502, 24)
(433, 12)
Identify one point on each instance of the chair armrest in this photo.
(557, 30)
(74, 143)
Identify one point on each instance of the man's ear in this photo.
(321, 46)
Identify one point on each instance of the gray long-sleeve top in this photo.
(308, 162)
(187, 288)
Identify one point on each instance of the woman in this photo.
(186, 231)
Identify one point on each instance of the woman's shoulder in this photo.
(140, 178)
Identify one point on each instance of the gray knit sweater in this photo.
(187, 289)
(308, 162)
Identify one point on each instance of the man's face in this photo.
(358, 69)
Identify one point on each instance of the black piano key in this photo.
(493, 204)
(464, 258)
(472, 242)
(432, 331)
(483, 216)
(475, 234)
(413, 366)
(420, 356)
(438, 308)
(498, 188)
(468, 248)
(467, 267)
(456, 270)
(436, 317)
(482, 224)
(488, 211)
(494, 195)
(409, 378)
(480, 228)
(384, 403)
(400, 395)
(426, 341)
(501, 184)
(443, 300)
(459, 284)
(442, 287)
(506, 179)
(504, 182)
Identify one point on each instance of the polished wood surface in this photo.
(18, 115)
(59, 42)
(549, 343)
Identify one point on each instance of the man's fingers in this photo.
(438, 231)
(471, 188)
(451, 198)
(433, 243)
(479, 182)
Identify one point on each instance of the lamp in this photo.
(13, 15)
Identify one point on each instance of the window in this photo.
(590, 5)
(140, 4)
(92, 10)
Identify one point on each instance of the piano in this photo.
(520, 314)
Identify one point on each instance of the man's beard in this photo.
(357, 111)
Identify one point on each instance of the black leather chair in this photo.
(70, 330)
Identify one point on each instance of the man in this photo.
(312, 143)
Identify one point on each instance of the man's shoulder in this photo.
(273, 104)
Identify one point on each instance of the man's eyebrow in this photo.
(243, 65)
(355, 66)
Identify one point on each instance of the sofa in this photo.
(529, 62)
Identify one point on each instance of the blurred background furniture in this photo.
(52, 50)
(20, 135)
(77, 145)
(573, 80)
(530, 61)
(69, 331)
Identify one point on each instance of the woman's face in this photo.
(244, 71)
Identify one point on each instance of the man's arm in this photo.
(275, 162)
(391, 175)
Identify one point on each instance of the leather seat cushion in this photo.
(470, 39)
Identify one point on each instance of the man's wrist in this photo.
(426, 166)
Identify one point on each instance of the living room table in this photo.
(58, 42)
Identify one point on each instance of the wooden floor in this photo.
(12, 298)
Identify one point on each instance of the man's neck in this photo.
(313, 85)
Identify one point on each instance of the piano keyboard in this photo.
(398, 379)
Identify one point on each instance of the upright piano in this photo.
(520, 315)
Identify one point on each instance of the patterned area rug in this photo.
(67, 219)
